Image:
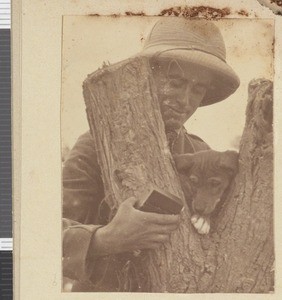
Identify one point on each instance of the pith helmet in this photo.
(198, 42)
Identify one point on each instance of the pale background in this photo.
(89, 41)
(37, 66)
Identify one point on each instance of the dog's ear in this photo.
(183, 162)
(229, 161)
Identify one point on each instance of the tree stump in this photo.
(133, 153)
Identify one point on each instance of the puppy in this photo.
(205, 176)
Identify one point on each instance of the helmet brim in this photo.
(224, 80)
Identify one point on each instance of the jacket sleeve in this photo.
(82, 195)
(196, 143)
(76, 241)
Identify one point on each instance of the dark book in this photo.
(162, 202)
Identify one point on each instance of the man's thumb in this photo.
(131, 201)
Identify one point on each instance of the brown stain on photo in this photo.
(207, 12)
(243, 12)
(98, 15)
(277, 2)
(274, 5)
(129, 13)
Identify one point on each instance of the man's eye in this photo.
(176, 82)
(200, 89)
(193, 179)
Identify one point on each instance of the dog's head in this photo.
(205, 176)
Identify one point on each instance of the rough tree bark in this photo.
(125, 121)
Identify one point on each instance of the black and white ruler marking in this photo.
(6, 241)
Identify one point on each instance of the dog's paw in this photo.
(202, 224)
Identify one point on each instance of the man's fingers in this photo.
(167, 219)
(131, 201)
(154, 246)
(155, 242)
(162, 238)
(156, 228)
(161, 219)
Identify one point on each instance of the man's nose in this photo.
(184, 98)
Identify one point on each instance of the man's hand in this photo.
(132, 229)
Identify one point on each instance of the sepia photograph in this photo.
(167, 154)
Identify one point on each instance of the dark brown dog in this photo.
(205, 176)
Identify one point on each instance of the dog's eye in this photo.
(193, 179)
(214, 182)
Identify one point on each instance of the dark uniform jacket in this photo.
(84, 211)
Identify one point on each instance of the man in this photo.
(188, 64)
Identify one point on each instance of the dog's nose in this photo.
(199, 208)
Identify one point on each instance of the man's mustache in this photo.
(172, 104)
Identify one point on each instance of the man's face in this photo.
(181, 87)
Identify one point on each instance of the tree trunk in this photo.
(125, 121)
(242, 245)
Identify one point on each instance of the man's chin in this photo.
(172, 125)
